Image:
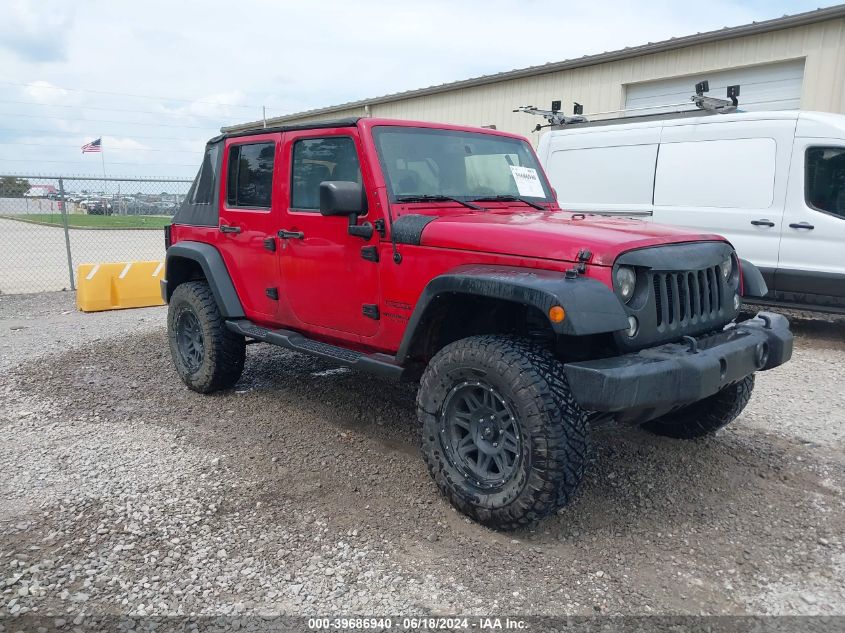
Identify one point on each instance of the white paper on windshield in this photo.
(528, 182)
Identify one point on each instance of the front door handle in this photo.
(225, 228)
(802, 225)
(763, 222)
(291, 235)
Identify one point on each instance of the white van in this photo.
(773, 183)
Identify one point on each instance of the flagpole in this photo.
(102, 157)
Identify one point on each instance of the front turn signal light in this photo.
(556, 314)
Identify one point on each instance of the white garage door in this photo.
(766, 87)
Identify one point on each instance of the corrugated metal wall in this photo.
(601, 87)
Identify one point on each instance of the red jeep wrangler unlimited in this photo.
(438, 253)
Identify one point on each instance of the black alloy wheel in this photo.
(189, 338)
(480, 435)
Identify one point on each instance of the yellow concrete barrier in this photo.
(117, 286)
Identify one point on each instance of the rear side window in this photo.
(250, 175)
(204, 184)
(604, 175)
(319, 159)
(824, 179)
(731, 174)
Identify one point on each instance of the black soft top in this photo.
(314, 125)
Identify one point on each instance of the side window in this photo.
(250, 175)
(824, 179)
(319, 159)
(204, 184)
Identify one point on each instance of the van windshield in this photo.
(431, 163)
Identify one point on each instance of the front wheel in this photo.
(502, 435)
(208, 357)
(706, 416)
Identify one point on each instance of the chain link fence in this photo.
(51, 224)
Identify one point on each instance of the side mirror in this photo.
(341, 197)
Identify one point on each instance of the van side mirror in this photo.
(342, 197)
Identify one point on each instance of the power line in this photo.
(112, 149)
(59, 133)
(70, 118)
(124, 94)
(74, 162)
(87, 107)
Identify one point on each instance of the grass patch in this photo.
(96, 221)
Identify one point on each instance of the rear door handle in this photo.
(225, 228)
(291, 235)
(763, 222)
(802, 225)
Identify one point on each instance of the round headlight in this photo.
(728, 270)
(626, 281)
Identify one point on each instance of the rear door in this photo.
(727, 178)
(603, 171)
(331, 288)
(246, 225)
(812, 266)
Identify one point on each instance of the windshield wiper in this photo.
(509, 199)
(421, 198)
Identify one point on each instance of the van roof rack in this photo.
(704, 105)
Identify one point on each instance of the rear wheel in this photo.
(502, 435)
(208, 357)
(706, 416)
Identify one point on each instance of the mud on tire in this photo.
(524, 400)
(707, 416)
(208, 357)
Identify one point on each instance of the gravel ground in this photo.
(301, 491)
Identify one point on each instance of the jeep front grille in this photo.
(682, 298)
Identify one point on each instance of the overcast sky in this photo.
(67, 68)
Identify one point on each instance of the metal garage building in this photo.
(791, 62)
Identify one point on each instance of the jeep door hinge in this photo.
(270, 244)
(370, 311)
(273, 293)
(380, 227)
(370, 253)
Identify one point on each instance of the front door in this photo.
(811, 267)
(329, 286)
(246, 226)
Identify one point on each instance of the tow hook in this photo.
(692, 344)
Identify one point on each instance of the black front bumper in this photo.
(656, 380)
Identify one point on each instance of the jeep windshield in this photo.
(431, 165)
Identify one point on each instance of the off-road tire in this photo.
(706, 416)
(552, 428)
(224, 352)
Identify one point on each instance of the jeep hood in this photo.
(557, 235)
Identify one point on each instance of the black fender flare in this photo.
(753, 284)
(214, 269)
(591, 307)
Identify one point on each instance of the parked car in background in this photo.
(773, 183)
(96, 207)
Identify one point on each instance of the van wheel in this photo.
(502, 435)
(707, 416)
(208, 357)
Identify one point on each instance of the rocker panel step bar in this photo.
(381, 364)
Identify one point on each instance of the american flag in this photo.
(93, 146)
